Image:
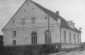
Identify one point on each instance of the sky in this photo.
(69, 9)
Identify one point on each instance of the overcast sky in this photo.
(69, 9)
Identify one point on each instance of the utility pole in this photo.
(49, 38)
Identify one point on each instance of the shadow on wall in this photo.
(1, 40)
(28, 50)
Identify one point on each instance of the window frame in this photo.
(14, 33)
(47, 37)
(34, 37)
(78, 39)
(70, 37)
(74, 38)
(14, 42)
(64, 36)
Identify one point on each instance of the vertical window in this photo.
(14, 33)
(23, 21)
(14, 42)
(70, 37)
(50, 39)
(78, 39)
(33, 20)
(74, 39)
(34, 37)
(47, 37)
(64, 36)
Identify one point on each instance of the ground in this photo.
(76, 52)
(31, 50)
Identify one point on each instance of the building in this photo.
(33, 24)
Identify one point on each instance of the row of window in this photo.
(23, 21)
(47, 37)
(70, 37)
(34, 37)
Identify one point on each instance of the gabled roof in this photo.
(55, 16)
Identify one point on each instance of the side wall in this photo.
(70, 39)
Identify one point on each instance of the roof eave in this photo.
(70, 28)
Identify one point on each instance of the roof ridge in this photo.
(41, 6)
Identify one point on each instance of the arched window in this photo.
(47, 37)
(64, 36)
(34, 37)
(78, 39)
(70, 37)
(74, 39)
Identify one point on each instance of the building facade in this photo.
(33, 24)
(70, 36)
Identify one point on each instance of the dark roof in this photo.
(64, 23)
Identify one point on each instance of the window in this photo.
(14, 42)
(70, 37)
(14, 33)
(34, 37)
(64, 36)
(47, 37)
(23, 21)
(74, 39)
(33, 20)
(78, 39)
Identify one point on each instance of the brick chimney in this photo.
(57, 12)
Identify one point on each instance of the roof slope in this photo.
(14, 15)
(64, 23)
